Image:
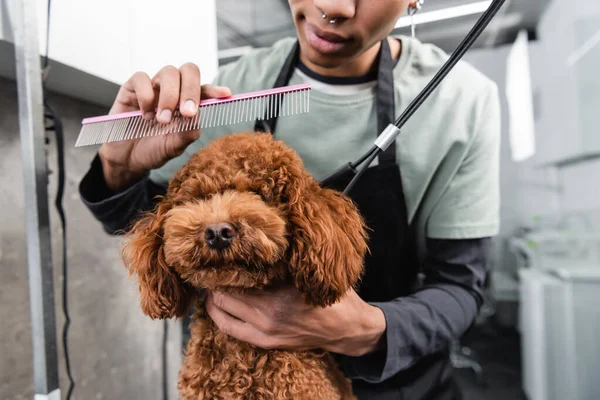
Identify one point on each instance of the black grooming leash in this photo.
(390, 133)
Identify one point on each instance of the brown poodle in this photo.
(244, 214)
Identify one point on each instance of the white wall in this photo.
(572, 92)
(564, 124)
(569, 124)
(111, 39)
(563, 98)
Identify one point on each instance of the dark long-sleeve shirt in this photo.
(417, 325)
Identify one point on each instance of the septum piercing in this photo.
(331, 21)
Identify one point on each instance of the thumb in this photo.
(176, 143)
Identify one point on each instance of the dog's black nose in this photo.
(219, 236)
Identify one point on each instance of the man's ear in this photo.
(163, 293)
(328, 243)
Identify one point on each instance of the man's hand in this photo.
(125, 162)
(279, 319)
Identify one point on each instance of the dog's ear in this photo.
(162, 292)
(328, 243)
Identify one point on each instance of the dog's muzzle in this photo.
(219, 236)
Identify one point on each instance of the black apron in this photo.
(392, 266)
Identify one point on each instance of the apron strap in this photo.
(384, 96)
(269, 125)
(385, 100)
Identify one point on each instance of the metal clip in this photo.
(387, 137)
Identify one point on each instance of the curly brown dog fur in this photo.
(282, 227)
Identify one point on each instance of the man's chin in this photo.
(325, 61)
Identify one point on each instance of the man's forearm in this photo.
(116, 210)
(427, 321)
(118, 179)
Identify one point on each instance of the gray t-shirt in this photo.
(448, 152)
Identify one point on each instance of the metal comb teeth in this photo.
(264, 104)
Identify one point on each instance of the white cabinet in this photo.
(173, 32)
(93, 37)
(111, 39)
(560, 326)
(569, 87)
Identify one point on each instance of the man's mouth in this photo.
(322, 41)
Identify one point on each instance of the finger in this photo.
(139, 89)
(168, 82)
(176, 143)
(239, 329)
(267, 312)
(227, 324)
(214, 92)
(250, 298)
(268, 297)
(234, 306)
(190, 89)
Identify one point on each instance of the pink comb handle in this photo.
(206, 102)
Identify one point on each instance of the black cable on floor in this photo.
(57, 126)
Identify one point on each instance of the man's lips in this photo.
(322, 41)
(329, 36)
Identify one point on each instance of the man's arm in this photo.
(459, 230)
(430, 319)
(116, 211)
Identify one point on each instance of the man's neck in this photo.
(359, 67)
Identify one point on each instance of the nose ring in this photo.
(331, 21)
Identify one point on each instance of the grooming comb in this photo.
(263, 104)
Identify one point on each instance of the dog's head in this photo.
(243, 213)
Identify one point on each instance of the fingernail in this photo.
(190, 106)
(165, 115)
